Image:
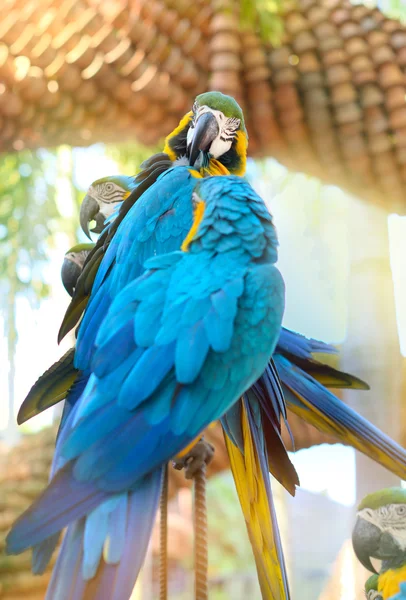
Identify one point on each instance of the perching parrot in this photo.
(380, 533)
(73, 265)
(168, 352)
(211, 136)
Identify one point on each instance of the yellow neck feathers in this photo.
(182, 125)
(389, 582)
(214, 167)
(197, 219)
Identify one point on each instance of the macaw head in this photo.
(73, 265)
(380, 529)
(214, 128)
(102, 198)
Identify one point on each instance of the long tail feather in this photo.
(299, 350)
(251, 476)
(42, 552)
(129, 528)
(267, 397)
(330, 377)
(308, 399)
(64, 501)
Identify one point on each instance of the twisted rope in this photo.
(200, 526)
(163, 538)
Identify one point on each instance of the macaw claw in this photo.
(201, 453)
(374, 595)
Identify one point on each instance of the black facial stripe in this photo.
(113, 196)
(226, 138)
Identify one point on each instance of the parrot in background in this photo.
(175, 349)
(102, 198)
(73, 265)
(380, 533)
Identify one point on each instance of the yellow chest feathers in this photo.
(389, 582)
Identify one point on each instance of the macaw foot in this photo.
(374, 595)
(201, 453)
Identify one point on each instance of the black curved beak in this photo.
(89, 211)
(366, 539)
(100, 220)
(206, 130)
(70, 273)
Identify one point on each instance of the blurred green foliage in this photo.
(230, 549)
(393, 8)
(266, 16)
(27, 215)
(130, 156)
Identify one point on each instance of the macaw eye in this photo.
(401, 510)
(109, 187)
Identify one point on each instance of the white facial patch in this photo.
(390, 518)
(107, 195)
(227, 130)
(77, 257)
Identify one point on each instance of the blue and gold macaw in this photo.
(380, 533)
(102, 199)
(174, 349)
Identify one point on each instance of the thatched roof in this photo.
(329, 101)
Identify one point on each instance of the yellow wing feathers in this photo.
(261, 523)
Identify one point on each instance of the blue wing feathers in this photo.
(144, 378)
(152, 340)
(192, 346)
